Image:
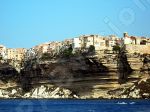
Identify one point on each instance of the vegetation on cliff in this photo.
(124, 68)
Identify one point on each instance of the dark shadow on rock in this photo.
(64, 73)
(8, 73)
(124, 68)
(146, 64)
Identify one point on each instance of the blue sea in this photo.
(61, 105)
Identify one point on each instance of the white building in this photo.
(99, 43)
(45, 49)
(127, 40)
(89, 40)
(112, 43)
(113, 40)
(76, 43)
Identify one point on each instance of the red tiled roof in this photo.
(132, 37)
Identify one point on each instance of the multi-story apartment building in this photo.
(67, 42)
(20, 53)
(52, 47)
(134, 44)
(87, 40)
(11, 53)
(134, 40)
(15, 57)
(100, 42)
(112, 41)
(49, 47)
(76, 43)
(15, 54)
(45, 47)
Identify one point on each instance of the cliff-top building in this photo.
(134, 40)
(15, 54)
(136, 44)
(100, 42)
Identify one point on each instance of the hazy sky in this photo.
(26, 23)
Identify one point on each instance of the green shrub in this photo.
(46, 56)
(1, 58)
(91, 49)
(116, 48)
(67, 52)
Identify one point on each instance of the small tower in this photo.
(125, 34)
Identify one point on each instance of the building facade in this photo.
(15, 54)
(100, 42)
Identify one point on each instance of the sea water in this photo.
(68, 105)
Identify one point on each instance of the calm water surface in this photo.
(19, 105)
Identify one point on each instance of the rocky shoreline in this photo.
(40, 92)
(140, 90)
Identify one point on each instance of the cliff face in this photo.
(61, 72)
(76, 77)
(7, 72)
(140, 90)
(34, 80)
(124, 68)
(146, 64)
(10, 84)
(75, 66)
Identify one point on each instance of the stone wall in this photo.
(138, 49)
